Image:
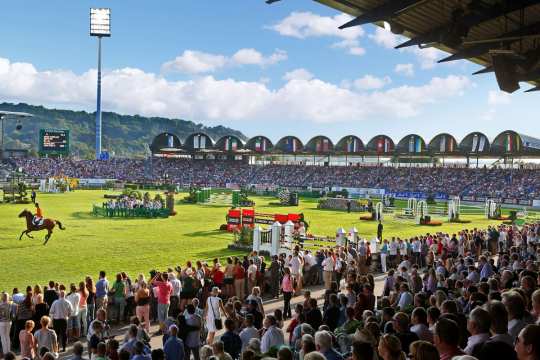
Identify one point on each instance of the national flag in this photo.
(291, 144)
(325, 145)
(387, 145)
(202, 141)
(352, 145)
(474, 147)
(380, 145)
(234, 144)
(482, 143)
(418, 145)
(197, 141)
(318, 145)
(508, 143)
(451, 145)
(411, 144)
(226, 147)
(442, 144)
(258, 146)
(170, 141)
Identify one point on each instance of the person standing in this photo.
(5, 323)
(46, 337)
(28, 341)
(74, 325)
(142, 300)
(119, 297)
(274, 271)
(273, 336)
(212, 314)
(174, 346)
(60, 312)
(193, 338)
(328, 265)
(384, 255)
(102, 288)
(33, 196)
(380, 228)
(288, 289)
(164, 291)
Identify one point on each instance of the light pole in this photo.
(100, 26)
(3, 116)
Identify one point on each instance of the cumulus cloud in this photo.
(302, 25)
(307, 24)
(427, 58)
(370, 82)
(298, 74)
(404, 69)
(198, 62)
(496, 97)
(302, 97)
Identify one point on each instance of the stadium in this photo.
(201, 242)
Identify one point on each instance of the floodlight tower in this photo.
(100, 26)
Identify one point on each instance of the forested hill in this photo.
(125, 135)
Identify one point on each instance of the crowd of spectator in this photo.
(481, 182)
(470, 295)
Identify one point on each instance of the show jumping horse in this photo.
(48, 224)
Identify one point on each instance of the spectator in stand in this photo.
(273, 336)
(174, 347)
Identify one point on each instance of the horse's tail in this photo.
(59, 225)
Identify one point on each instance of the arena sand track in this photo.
(90, 244)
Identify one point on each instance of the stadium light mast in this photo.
(100, 26)
(3, 117)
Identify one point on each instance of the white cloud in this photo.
(404, 69)
(303, 25)
(427, 57)
(385, 38)
(306, 24)
(370, 82)
(298, 74)
(195, 62)
(253, 57)
(198, 62)
(206, 98)
(496, 97)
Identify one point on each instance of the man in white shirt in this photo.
(405, 297)
(249, 332)
(392, 252)
(478, 325)
(273, 336)
(328, 265)
(74, 327)
(60, 312)
(417, 252)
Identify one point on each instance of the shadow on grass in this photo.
(206, 233)
(36, 241)
(88, 216)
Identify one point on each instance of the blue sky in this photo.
(275, 70)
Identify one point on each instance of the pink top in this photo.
(28, 344)
(164, 292)
(286, 284)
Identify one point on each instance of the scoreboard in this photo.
(53, 142)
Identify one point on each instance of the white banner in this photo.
(360, 191)
(93, 182)
(536, 203)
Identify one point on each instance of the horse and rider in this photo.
(36, 222)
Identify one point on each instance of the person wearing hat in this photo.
(212, 314)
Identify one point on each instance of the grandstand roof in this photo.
(499, 35)
(507, 143)
(443, 144)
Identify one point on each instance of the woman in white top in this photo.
(212, 312)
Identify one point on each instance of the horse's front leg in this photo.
(24, 232)
(28, 234)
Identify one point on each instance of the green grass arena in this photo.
(90, 244)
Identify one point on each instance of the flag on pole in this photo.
(474, 147)
(411, 144)
(442, 144)
(418, 145)
(170, 141)
(482, 143)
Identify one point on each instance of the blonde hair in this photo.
(423, 350)
(393, 346)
